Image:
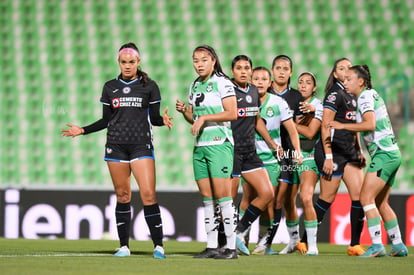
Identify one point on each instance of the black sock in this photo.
(357, 222)
(321, 207)
(249, 217)
(123, 221)
(275, 226)
(153, 218)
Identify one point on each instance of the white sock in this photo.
(293, 233)
(311, 228)
(374, 228)
(228, 214)
(394, 234)
(210, 224)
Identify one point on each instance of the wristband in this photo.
(328, 156)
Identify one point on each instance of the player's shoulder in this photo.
(294, 91)
(112, 85)
(111, 82)
(275, 99)
(316, 101)
(253, 88)
(368, 92)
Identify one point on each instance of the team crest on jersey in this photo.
(209, 87)
(270, 112)
(115, 102)
(249, 99)
(350, 115)
(126, 90)
(354, 103)
(108, 150)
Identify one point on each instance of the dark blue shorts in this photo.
(127, 152)
(246, 161)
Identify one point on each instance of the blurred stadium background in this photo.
(57, 54)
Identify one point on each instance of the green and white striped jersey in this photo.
(383, 136)
(274, 111)
(206, 98)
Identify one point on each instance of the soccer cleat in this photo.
(270, 251)
(302, 247)
(242, 247)
(312, 253)
(228, 254)
(398, 250)
(375, 250)
(259, 250)
(355, 250)
(207, 253)
(159, 252)
(122, 252)
(289, 248)
(263, 250)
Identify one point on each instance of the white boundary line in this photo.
(75, 255)
(57, 255)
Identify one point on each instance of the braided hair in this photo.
(362, 71)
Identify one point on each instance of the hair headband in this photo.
(310, 74)
(129, 51)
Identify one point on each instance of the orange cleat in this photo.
(355, 250)
(302, 248)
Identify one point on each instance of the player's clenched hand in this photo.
(328, 166)
(180, 106)
(73, 131)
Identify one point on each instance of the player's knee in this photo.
(123, 197)
(148, 198)
(306, 200)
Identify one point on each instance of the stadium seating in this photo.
(56, 55)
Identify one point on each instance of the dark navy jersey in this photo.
(344, 105)
(293, 98)
(130, 104)
(244, 128)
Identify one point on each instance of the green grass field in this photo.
(94, 257)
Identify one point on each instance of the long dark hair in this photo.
(241, 57)
(217, 66)
(141, 74)
(284, 57)
(331, 79)
(363, 72)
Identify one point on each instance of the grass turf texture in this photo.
(95, 257)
